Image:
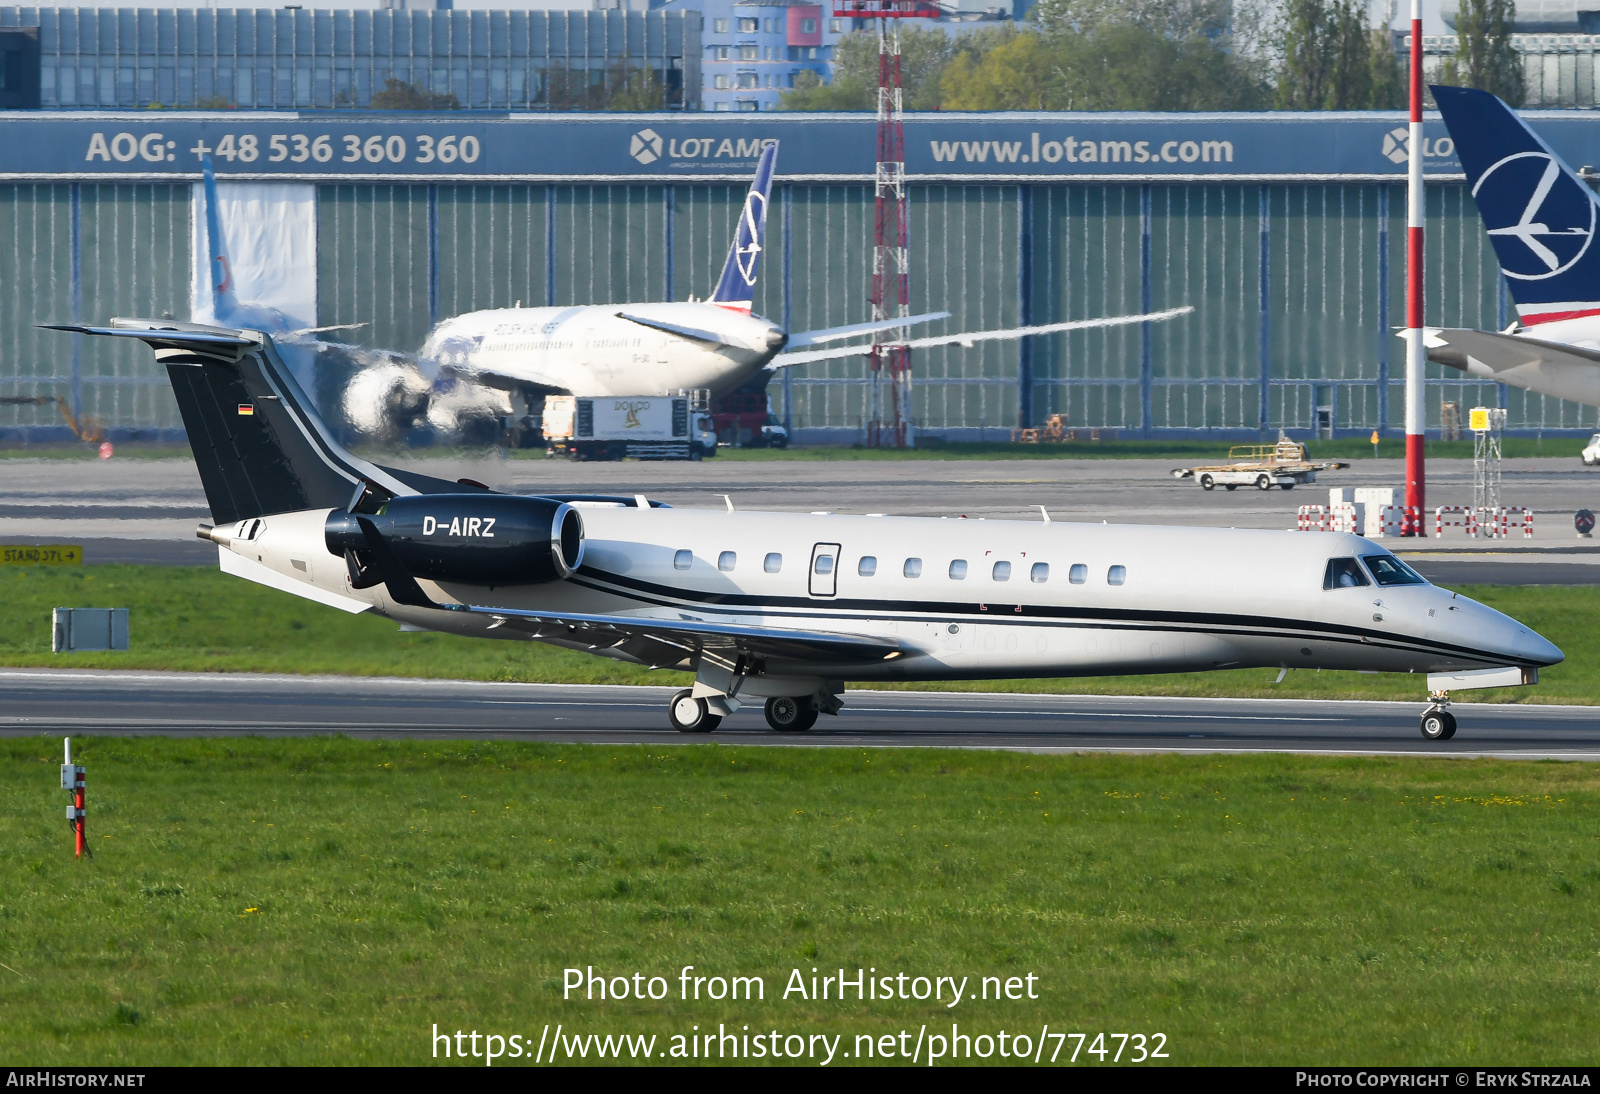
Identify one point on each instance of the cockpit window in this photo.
(1388, 570)
(1344, 573)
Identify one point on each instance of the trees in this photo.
(1331, 60)
(398, 95)
(1484, 58)
(924, 53)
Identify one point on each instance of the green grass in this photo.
(328, 900)
(198, 619)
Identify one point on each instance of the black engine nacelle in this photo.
(475, 539)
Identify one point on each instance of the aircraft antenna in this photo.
(889, 424)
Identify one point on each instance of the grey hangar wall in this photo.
(1296, 276)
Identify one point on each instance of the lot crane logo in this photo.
(632, 410)
(1397, 144)
(645, 146)
(1527, 197)
(749, 243)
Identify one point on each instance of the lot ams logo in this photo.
(460, 526)
(647, 146)
(1529, 198)
(1397, 146)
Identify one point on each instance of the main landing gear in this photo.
(1438, 724)
(690, 715)
(786, 715)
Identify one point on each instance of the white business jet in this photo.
(781, 608)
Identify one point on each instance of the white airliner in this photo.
(1542, 220)
(645, 349)
(782, 607)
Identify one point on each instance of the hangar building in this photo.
(1284, 231)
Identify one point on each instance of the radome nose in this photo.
(1532, 648)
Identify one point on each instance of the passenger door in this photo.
(824, 569)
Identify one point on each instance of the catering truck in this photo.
(646, 427)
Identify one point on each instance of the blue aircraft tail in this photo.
(737, 287)
(223, 301)
(1541, 217)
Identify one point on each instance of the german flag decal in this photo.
(247, 409)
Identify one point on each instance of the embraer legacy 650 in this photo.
(784, 607)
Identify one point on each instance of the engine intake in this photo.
(475, 539)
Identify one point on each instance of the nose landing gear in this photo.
(1438, 724)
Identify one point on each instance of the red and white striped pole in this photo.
(72, 782)
(1416, 352)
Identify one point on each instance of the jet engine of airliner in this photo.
(473, 539)
(389, 401)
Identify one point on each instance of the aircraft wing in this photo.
(833, 334)
(675, 328)
(1502, 352)
(968, 338)
(667, 641)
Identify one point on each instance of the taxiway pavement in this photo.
(139, 510)
(81, 702)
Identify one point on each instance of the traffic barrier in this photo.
(1343, 517)
(1313, 518)
(1515, 513)
(1391, 520)
(1412, 522)
(1467, 522)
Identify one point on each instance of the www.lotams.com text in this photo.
(922, 1046)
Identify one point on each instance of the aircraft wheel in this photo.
(1286, 485)
(1438, 725)
(1231, 487)
(786, 715)
(690, 715)
(1209, 483)
(1263, 482)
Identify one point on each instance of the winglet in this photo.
(1541, 217)
(737, 287)
(223, 300)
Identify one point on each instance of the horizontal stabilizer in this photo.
(833, 334)
(1503, 352)
(970, 337)
(675, 328)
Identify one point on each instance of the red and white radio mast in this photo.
(890, 423)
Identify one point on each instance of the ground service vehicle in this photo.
(1285, 464)
(646, 427)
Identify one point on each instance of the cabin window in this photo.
(726, 561)
(1002, 571)
(1343, 573)
(1388, 570)
(1116, 575)
(682, 560)
(867, 566)
(823, 565)
(1078, 574)
(773, 563)
(1040, 573)
(958, 569)
(912, 568)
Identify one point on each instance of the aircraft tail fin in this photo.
(258, 443)
(737, 287)
(1541, 217)
(223, 300)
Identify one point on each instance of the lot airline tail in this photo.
(1541, 217)
(736, 290)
